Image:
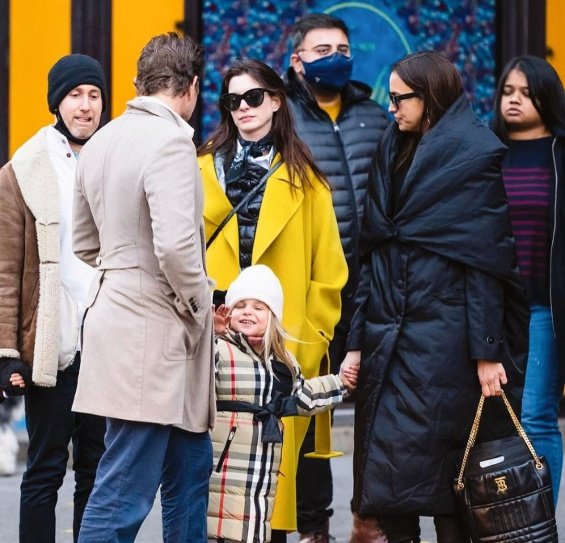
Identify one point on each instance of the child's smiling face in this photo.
(249, 317)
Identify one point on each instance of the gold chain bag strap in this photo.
(503, 490)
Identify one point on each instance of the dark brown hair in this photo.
(295, 154)
(168, 61)
(313, 21)
(437, 83)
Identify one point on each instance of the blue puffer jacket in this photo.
(343, 151)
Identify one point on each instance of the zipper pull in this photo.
(226, 449)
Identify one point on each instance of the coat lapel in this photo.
(278, 206)
(217, 206)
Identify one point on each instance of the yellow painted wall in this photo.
(134, 22)
(556, 35)
(39, 36)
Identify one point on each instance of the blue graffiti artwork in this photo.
(381, 32)
(378, 37)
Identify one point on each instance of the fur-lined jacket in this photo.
(247, 438)
(30, 284)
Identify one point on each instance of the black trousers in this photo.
(406, 529)
(314, 482)
(278, 536)
(51, 425)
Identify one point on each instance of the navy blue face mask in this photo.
(330, 73)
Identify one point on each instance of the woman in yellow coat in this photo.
(256, 165)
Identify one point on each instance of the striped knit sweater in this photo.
(529, 179)
(243, 482)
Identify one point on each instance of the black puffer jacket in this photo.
(343, 151)
(248, 215)
(442, 290)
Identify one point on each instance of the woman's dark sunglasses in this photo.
(397, 98)
(253, 98)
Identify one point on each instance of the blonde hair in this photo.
(273, 342)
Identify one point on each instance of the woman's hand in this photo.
(491, 376)
(221, 319)
(349, 369)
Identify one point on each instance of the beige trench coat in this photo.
(147, 336)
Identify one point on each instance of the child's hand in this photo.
(349, 369)
(221, 319)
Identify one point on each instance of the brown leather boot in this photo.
(366, 531)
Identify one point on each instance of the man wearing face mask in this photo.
(342, 126)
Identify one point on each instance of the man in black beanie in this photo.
(43, 288)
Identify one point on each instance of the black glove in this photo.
(218, 297)
(14, 365)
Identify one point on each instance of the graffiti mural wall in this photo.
(381, 32)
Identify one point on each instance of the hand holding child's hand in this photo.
(349, 369)
(221, 319)
(15, 376)
(16, 380)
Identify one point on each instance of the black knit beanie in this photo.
(70, 72)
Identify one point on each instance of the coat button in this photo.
(490, 340)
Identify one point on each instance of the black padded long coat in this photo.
(439, 290)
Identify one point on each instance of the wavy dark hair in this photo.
(294, 152)
(168, 62)
(438, 84)
(546, 92)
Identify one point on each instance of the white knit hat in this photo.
(257, 283)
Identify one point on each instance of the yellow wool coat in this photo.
(297, 237)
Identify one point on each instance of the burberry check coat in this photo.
(244, 479)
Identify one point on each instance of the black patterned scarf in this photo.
(241, 166)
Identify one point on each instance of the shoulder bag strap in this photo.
(248, 197)
(475, 429)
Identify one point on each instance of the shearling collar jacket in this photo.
(29, 260)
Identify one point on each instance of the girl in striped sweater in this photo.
(257, 382)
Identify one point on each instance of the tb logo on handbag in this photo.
(501, 485)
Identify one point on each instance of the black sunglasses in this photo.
(253, 98)
(397, 98)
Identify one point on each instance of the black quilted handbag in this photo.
(503, 491)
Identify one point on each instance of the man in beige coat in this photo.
(147, 338)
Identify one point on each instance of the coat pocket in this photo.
(178, 345)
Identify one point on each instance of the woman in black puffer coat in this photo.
(441, 313)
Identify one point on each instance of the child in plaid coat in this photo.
(257, 382)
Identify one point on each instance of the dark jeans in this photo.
(406, 529)
(314, 483)
(51, 425)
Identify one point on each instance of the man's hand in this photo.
(491, 376)
(15, 376)
(349, 369)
